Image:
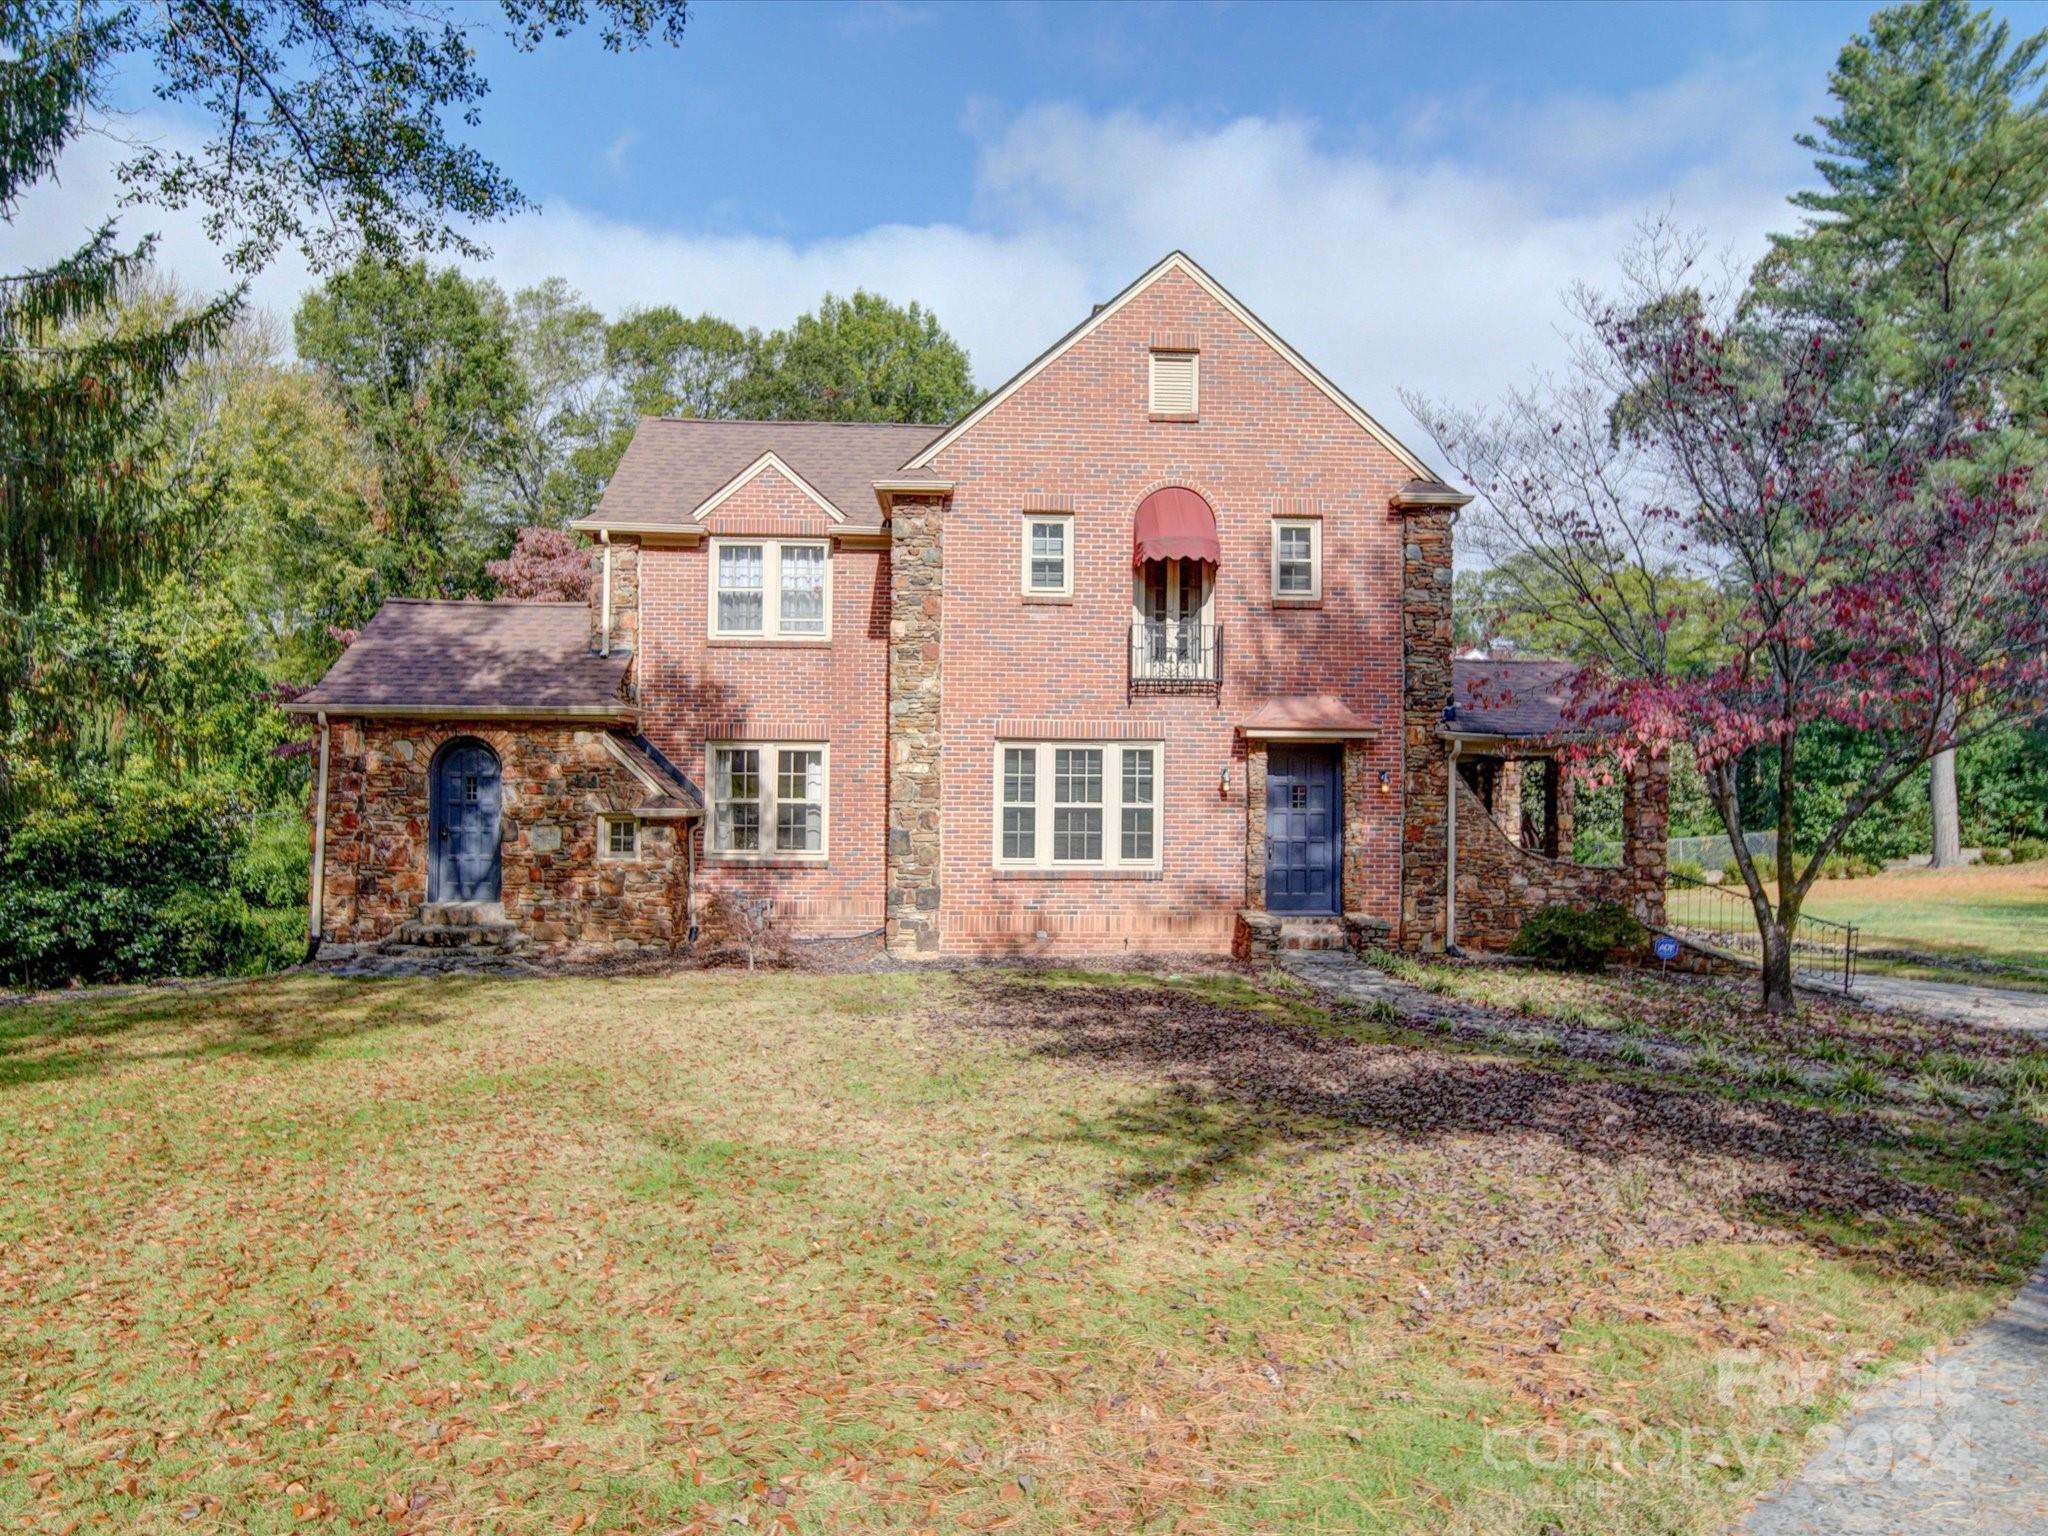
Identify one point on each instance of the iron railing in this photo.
(1823, 952)
(1176, 656)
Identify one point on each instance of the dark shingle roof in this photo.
(673, 465)
(674, 795)
(1513, 698)
(443, 656)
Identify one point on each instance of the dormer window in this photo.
(771, 589)
(1176, 385)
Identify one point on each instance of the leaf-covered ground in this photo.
(1031, 1251)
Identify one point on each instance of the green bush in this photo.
(1766, 869)
(1850, 866)
(2029, 850)
(1569, 939)
(1995, 857)
(126, 878)
(275, 867)
(1686, 869)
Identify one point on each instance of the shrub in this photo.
(1686, 869)
(1995, 857)
(275, 867)
(1850, 866)
(1766, 869)
(2029, 850)
(1569, 939)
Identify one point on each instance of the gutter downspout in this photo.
(1451, 853)
(604, 643)
(316, 910)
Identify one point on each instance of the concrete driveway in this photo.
(1964, 1002)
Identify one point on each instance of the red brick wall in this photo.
(555, 781)
(694, 689)
(1267, 440)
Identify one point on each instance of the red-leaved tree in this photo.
(1885, 571)
(546, 565)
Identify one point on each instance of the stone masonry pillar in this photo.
(1645, 827)
(917, 569)
(1426, 688)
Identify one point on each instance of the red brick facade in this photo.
(936, 656)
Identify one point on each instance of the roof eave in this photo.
(422, 710)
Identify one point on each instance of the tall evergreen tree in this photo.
(1930, 237)
(81, 503)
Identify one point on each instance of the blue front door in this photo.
(1304, 829)
(464, 824)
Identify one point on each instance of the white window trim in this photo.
(1066, 586)
(1194, 361)
(770, 783)
(771, 592)
(605, 822)
(1314, 525)
(1112, 806)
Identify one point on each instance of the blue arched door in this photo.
(463, 823)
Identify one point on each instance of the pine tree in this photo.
(1931, 236)
(81, 503)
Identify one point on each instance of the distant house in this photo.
(1150, 651)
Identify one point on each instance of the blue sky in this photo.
(1404, 191)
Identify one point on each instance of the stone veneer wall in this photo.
(917, 569)
(1425, 689)
(625, 595)
(1500, 883)
(556, 779)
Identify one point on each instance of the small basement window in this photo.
(618, 837)
(1176, 384)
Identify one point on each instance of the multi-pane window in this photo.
(770, 589)
(1297, 558)
(768, 800)
(799, 800)
(619, 837)
(1077, 805)
(1048, 555)
(1020, 804)
(1138, 807)
(1085, 805)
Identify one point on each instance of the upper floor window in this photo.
(1297, 559)
(1048, 554)
(771, 589)
(1176, 383)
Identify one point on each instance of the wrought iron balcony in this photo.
(1176, 657)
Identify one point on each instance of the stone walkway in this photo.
(1965, 1002)
(1957, 1444)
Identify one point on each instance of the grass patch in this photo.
(1045, 1251)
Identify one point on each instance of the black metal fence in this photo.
(1175, 657)
(1823, 952)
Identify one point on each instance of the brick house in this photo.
(1151, 651)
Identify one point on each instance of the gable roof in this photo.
(1177, 261)
(669, 790)
(454, 659)
(677, 467)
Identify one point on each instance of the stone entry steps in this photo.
(477, 928)
(1262, 937)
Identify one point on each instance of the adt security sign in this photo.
(1665, 947)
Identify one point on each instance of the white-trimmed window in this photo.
(1297, 559)
(618, 837)
(1048, 554)
(769, 800)
(1078, 804)
(771, 589)
(1176, 383)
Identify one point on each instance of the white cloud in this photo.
(1435, 263)
(615, 156)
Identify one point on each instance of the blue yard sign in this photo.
(1665, 947)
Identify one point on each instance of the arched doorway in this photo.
(462, 827)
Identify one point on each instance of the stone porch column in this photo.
(1426, 688)
(916, 649)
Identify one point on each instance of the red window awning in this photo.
(1174, 523)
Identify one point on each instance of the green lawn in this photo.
(1993, 920)
(969, 1252)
